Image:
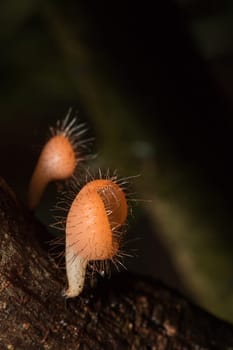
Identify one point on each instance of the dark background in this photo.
(155, 85)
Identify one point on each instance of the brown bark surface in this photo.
(124, 312)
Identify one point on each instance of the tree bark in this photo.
(124, 312)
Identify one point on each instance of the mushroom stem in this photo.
(76, 270)
(37, 185)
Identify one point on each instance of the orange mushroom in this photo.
(59, 157)
(92, 225)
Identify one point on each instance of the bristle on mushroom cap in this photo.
(98, 209)
(59, 157)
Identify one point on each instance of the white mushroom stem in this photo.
(75, 271)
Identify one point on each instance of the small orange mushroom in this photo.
(93, 221)
(59, 157)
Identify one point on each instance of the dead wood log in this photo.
(124, 312)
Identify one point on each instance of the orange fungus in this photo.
(98, 210)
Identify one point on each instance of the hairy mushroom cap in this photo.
(59, 157)
(98, 209)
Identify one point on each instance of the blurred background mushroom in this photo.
(155, 85)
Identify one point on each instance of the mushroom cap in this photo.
(57, 158)
(98, 209)
(57, 161)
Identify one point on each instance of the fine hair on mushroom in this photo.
(95, 220)
(66, 147)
